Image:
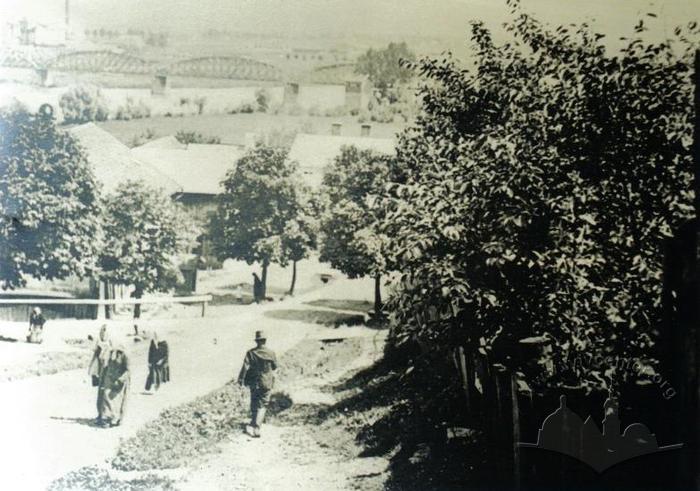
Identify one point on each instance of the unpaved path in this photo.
(287, 456)
(46, 422)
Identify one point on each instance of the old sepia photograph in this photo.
(349, 245)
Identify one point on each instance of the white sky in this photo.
(401, 18)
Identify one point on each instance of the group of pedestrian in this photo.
(110, 372)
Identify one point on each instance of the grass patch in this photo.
(337, 304)
(94, 478)
(48, 364)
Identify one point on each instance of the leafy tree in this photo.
(145, 231)
(83, 104)
(48, 202)
(350, 241)
(385, 67)
(541, 187)
(262, 197)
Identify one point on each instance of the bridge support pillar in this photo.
(160, 84)
(44, 76)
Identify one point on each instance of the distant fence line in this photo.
(94, 301)
(88, 307)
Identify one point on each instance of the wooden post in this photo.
(465, 378)
(204, 308)
(516, 430)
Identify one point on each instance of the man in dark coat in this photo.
(257, 289)
(257, 374)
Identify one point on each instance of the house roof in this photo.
(113, 163)
(197, 168)
(314, 153)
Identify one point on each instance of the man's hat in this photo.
(260, 335)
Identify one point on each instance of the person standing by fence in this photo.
(257, 289)
(158, 363)
(36, 326)
(257, 374)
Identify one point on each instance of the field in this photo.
(231, 128)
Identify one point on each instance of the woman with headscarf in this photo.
(36, 326)
(114, 387)
(100, 356)
(158, 363)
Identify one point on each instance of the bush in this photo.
(133, 110)
(243, 108)
(262, 98)
(139, 140)
(187, 137)
(83, 104)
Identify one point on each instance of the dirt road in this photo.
(46, 422)
(287, 456)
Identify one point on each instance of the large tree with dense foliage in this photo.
(385, 67)
(262, 199)
(541, 187)
(83, 104)
(48, 202)
(350, 240)
(144, 233)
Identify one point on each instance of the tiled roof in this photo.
(112, 161)
(196, 168)
(314, 153)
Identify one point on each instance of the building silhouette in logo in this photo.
(564, 432)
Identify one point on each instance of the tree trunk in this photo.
(263, 280)
(138, 293)
(377, 296)
(294, 277)
(108, 308)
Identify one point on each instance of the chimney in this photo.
(365, 129)
(335, 128)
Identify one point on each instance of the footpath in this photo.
(46, 422)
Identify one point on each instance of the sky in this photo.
(446, 19)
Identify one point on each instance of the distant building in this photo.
(113, 162)
(314, 153)
(197, 169)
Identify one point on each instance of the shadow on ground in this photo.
(337, 304)
(81, 421)
(7, 339)
(324, 317)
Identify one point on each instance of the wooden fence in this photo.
(79, 308)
